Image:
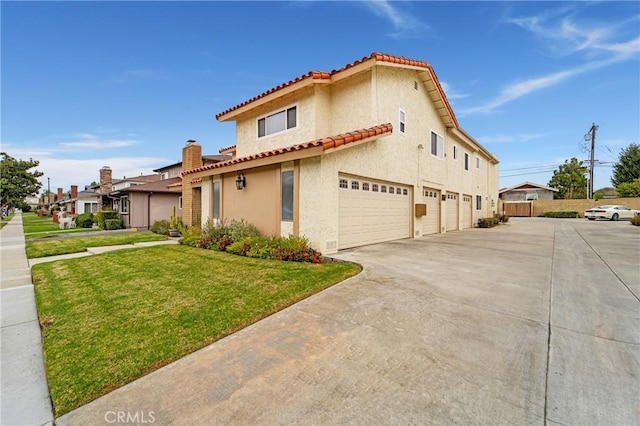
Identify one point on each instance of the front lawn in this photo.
(54, 247)
(35, 226)
(112, 318)
(5, 219)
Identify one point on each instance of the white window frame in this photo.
(402, 119)
(439, 154)
(478, 202)
(531, 196)
(124, 205)
(467, 161)
(180, 203)
(286, 124)
(478, 163)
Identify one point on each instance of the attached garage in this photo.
(452, 211)
(372, 211)
(431, 222)
(467, 212)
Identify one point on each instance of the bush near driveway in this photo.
(110, 319)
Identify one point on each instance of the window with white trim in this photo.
(478, 202)
(478, 163)
(437, 145)
(466, 161)
(355, 184)
(179, 203)
(278, 122)
(403, 121)
(124, 205)
(455, 152)
(344, 184)
(216, 200)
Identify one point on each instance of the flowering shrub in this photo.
(243, 239)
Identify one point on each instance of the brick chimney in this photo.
(74, 195)
(191, 159)
(191, 155)
(60, 194)
(106, 180)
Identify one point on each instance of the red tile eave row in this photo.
(326, 143)
(319, 75)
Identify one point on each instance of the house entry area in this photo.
(372, 211)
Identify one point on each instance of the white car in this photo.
(611, 212)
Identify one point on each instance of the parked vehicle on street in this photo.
(610, 212)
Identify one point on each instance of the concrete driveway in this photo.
(533, 322)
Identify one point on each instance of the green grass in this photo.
(5, 219)
(112, 318)
(35, 226)
(54, 247)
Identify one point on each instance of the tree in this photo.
(570, 180)
(16, 181)
(629, 189)
(627, 169)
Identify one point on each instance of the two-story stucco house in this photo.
(366, 153)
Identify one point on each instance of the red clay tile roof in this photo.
(325, 143)
(227, 149)
(320, 75)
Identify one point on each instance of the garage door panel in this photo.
(452, 211)
(367, 216)
(467, 213)
(431, 222)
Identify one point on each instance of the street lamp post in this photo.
(591, 135)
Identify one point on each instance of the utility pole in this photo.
(48, 191)
(591, 135)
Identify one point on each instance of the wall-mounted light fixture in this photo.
(241, 181)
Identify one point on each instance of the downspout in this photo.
(149, 210)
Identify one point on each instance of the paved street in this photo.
(533, 322)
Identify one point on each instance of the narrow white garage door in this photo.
(452, 211)
(372, 211)
(467, 213)
(431, 222)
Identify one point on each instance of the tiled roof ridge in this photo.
(323, 75)
(326, 143)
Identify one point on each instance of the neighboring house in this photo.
(367, 153)
(527, 191)
(141, 203)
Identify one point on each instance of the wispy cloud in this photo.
(523, 137)
(601, 45)
(451, 93)
(405, 25)
(140, 75)
(94, 142)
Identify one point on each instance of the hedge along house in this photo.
(367, 153)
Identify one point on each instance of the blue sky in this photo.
(125, 84)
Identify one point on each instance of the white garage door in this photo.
(431, 222)
(467, 213)
(372, 211)
(452, 211)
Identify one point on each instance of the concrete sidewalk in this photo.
(24, 393)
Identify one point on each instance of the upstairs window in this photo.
(278, 122)
(466, 161)
(403, 121)
(437, 145)
(478, 202)
(455, 152)
(478, 162)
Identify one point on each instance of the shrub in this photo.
(503, 218)
(488, 222)
(238, 231)
(160, 227)
(102, 216)
(561, 215)
(189, 236)
(85, 220)
(635, 220)
(111, 224)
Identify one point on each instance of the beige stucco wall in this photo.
(258, 203)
